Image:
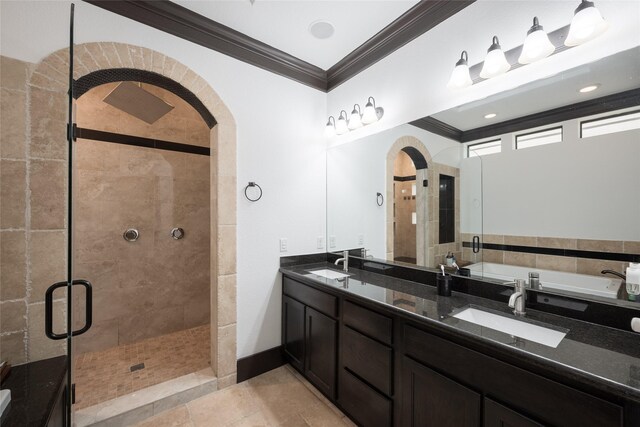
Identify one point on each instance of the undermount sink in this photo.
(528, 331)
(329, 274)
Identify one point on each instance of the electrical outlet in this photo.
(283, 244)
(332, 241)
(320, 242)
(361, 239)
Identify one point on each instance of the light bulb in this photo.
(587, 24)
(355, 121)
(495, 63)
(341, 124)
(536, 46)
(330, 128)
(460, 77)
(370, 114)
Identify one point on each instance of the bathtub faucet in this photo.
(615, 273)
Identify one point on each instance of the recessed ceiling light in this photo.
(589, 88)
(490, 116)
(321, 29)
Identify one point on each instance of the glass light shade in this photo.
(355, 121)
(330, 129)
(536, 46)
(369, 115)
(341, 124)
(587, 24)
(495, 63)
(460, 77)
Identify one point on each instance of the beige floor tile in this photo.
(257, 419)
(177, 417)
(223, 407)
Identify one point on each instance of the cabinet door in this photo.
(497, 415)
(293, 332)
(321, 351)
(432, 400)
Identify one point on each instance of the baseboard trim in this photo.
(259, 363)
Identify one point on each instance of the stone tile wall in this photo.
(32, 213)
(551, 262)
(155, 285)
(33, 132)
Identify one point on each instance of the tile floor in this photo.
(105, 375)
(277, 398)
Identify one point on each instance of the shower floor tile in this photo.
(107, 374)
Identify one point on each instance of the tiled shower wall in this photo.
(591, 266)
(155, 285)
(405, 204)
(33, 212)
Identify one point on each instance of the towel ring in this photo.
(379, 199)
(252, 184)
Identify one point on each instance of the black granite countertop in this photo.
(34, 389)
(598, 356)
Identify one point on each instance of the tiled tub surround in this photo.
(32, 139)
(106, 374)
(591, 265)
(155, 285)
(598, 357)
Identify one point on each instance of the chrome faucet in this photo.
(344, 260)
(615, 273)
(519, 297)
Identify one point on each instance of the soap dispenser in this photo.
(633, 280)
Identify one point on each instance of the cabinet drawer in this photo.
(365, 405)
(323, 302)
(368, 322)
(522, 391)
(367, 358)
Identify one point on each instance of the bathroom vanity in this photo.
(389, 351)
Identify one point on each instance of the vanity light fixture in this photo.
(589, 88)
(330, 128)
(495, 63)
(341, 125)
(371, 113)
(587, 24)
(537, 45)
(490, 116)
(355, 121)
(460, 77)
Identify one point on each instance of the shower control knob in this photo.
(177, 233)
(131, 235)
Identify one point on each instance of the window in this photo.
(542, 137)
(611, 124)
(484, 148)
(447, 219)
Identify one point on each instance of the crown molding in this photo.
(413, 23)
(181, 22)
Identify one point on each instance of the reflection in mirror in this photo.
(554, 190)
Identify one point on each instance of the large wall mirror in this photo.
(544, 178)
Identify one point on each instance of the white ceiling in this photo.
(617, 73)
(285, 24)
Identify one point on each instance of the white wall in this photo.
(356, 171)
(578, 188)
(410, 83)
(279, 135)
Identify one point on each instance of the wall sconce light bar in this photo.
(556, 38)
(357, 119)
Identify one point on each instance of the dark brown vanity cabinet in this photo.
(386, 369)
(365, 379)
(431, 399)
(310, 334)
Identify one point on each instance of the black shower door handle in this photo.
(48, 309)
(476, 244)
